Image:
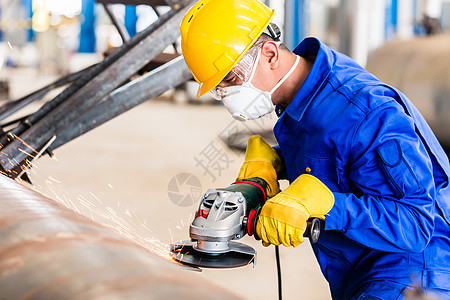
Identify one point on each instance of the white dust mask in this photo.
(246, 102)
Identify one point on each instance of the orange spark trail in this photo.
(23, 142)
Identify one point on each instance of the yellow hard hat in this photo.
(215, 34)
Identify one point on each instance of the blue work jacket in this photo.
(390, 177)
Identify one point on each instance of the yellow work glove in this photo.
(283, 217)
(261, 161)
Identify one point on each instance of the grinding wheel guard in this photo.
(237, 255)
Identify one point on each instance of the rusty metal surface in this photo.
(50, 252)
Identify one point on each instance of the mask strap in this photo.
(286, 76)
(255, 64)
(257, 60)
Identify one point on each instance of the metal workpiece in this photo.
(48, 251)
(23, 142)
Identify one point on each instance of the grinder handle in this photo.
(313, 227)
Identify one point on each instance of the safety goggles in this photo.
(240, 73)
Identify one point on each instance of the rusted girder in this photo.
(50, 252)
(119, 26)
(35, 133)
(10, 108)
(126, 97)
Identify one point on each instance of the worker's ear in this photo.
(270, 51)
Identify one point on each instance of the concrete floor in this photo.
(119, 175)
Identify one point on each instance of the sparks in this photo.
(23, 142)
(24, 152)
(53, 179)
(123, 221)
(96, 198)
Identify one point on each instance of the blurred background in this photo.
(147, 167)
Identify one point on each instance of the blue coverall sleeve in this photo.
(392, 207)
(283, 174)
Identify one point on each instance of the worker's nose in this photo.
(222, 84)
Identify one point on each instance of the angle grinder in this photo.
(224, 215)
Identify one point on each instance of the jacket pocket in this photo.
(402, 178)
(320, 167)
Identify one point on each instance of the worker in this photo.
(356, 152)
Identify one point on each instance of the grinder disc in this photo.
(238, 255)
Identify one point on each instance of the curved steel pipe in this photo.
(48, 251)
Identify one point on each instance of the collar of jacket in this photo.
(316, 77)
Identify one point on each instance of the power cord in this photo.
(277, 258)
(238, 141)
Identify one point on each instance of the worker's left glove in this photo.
(283, 218)
(261, 161)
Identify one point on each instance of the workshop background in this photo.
(142, 173)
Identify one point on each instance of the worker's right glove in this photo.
(261, 161)
(283, 218)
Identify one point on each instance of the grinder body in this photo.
(224, 215)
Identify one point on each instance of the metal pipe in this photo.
(48, 251)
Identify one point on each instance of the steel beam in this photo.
(126, 97)
(119, 26)
(10, 108)
(95, 71)
(24, 145)
(48, 251)
(81, 82)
